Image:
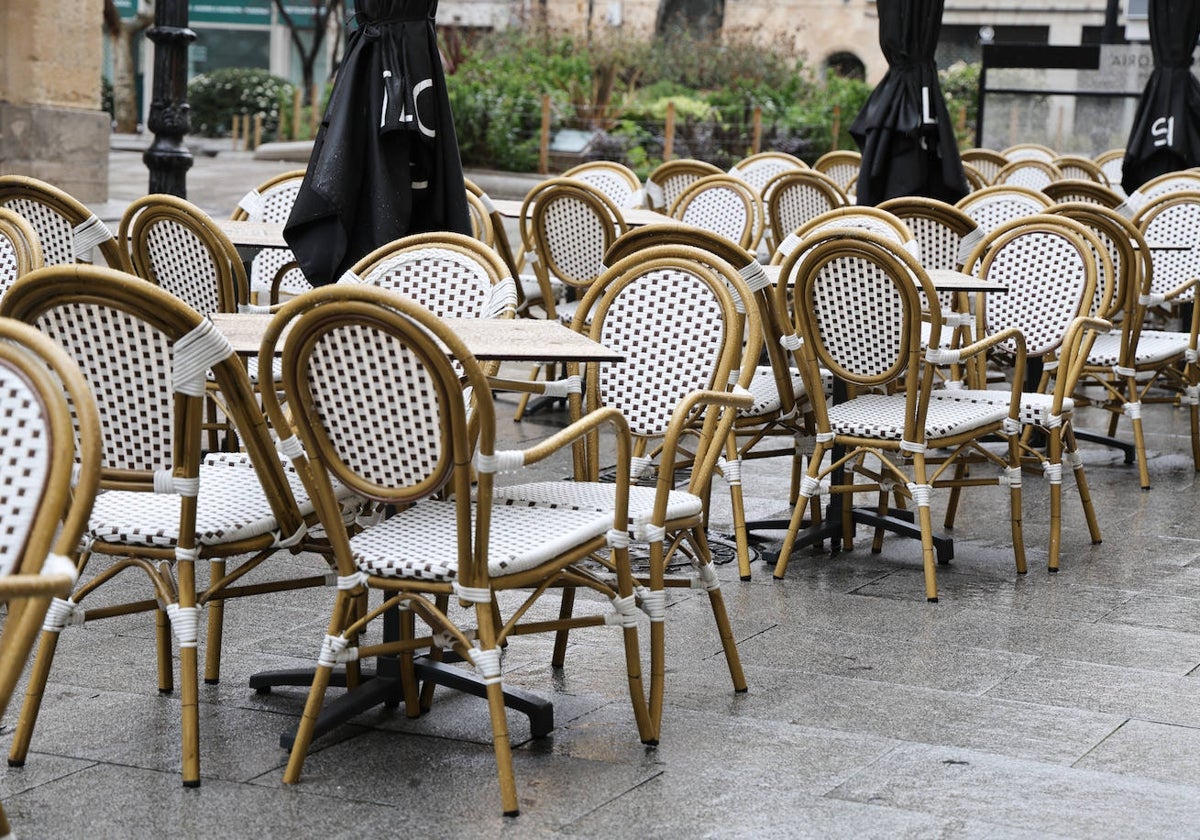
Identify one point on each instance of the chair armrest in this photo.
(1072, 356)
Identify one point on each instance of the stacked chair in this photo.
(67, 230)
(20, 248)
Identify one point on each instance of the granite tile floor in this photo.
(1029, 706)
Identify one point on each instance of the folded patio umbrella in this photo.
(904, 130)
(1166, 129)
(385, 161)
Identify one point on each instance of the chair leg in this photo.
(162, 645)
(789, 539)
(189, 674)
(1071, 450)
(565, 610)
(1054, 463)
(925, 520)
(216, 626)
(732, 470)
(501, 744)
(32, 704)
(1014, 501)
(708, 578)
(523, 402)
(308, 723)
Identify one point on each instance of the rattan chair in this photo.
(976, 180)
(986, 161)
(529, 292)
(1185, 180)
(1083, 168)
(724, 205)
(796, 197)
(667, 181)
(615, 180)
(273, 271)
(871, 219)
(1029, 151)
(1112, 164)
(759, 168)
(1051, 312)
(165, 508)
(1031, 173)
(673, 312)
(68, 231)
(1078, 189)
(841, 165)
(47, 409)
(406, 386)
(853, 300)
(20, 248)
(1131, 363)
(995, 205)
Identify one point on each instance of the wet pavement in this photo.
(1019, 706)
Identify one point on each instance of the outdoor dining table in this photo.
(633, 216)
(520, 339)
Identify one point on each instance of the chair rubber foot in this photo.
(16, 762)
(207, 681)
(777, 577)
(166, 691)
(194, 784)
(651, 743)
(741, 690)
(512, 813)
(932, 600)
(1052, 569)
(745, 577)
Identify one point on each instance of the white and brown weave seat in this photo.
(667, 181)
(47, 408)
(1050, 265)
(67, 230)
(993, 206)
(145, 355)
(447, 540)
(856, 308)
(20, 248)
(615, 180)
(671, 311)
(271, 201)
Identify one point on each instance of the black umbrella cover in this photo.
(904, 130)
(385, 161)
(1166, 128)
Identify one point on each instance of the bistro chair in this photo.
(674, 313)
(795, 197)
(1049, 265)
(50, 437)
(975, 178)
(273, 271)
(68, 231)
(447, 539)
(164, 507)
(853, 304)
(20, 248)
(871, 219)
(1131, 363)
(841, 165)
(759, 168)
(992, 206)
(1080, 189)
(1185, 180)
(615, 180)
(723, 205)
(529, 293)
(1028, 172)
(988, 162)
(1029, 151)
(1112, 164)
(667, 181)
(1083, 168)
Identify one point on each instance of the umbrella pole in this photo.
(168, 159)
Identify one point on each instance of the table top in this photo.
(943, 280)
(253, 234)
(633, 216)
(489, 339)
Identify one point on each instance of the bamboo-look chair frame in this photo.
(899, 369)
(1083, 168)
(527, 293)
(668, 180)
(1029, 173)
(615, 180)
(318, 455)
(273, 270)
(1000, 203)
(777, 389)
(1079, 189)
(482, 227)
(986, 161)
(67, 230)
(1120, 361)
(842, 165)
(759, 168)
(664, 413)
(1112, 164)
(871, 219)
(1058, 317)
(976, 180)
(20, 248)
(72, 304)
(42, 550)
(706, 204)
(793, 198)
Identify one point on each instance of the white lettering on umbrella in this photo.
(926, 116)
(1163, 128)
(426, 84)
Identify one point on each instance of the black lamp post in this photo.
(168, 159)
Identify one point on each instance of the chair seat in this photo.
(1153, 346)
(596, 496)
(766, 394)
(231, 507)
(1035, 408)
(882, 416)
(419, 543)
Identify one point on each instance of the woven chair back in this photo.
(1031, 173)
(841, 165)
(987, 162)
(271, 201)
(615, 180)
(994, 206)
(756, 170)
(1029, 151)
(723, 205)
(20, 249)
(798, 196)
(1080, 189)
(1083, 168)
(668, 180)
(1173, 219)
(1112, 164)
(870, 219)
(571, 225)
(68, 231)
(1129, 257)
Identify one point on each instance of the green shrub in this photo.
(214, 97)
(960, 85)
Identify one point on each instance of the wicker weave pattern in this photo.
(445, 282)
(1045, 273)
(1176, 223)
(720, 210)
(992, 212)
(575, 240)
(8, 263)
(54, 231)
(647, 323)
(587, 495)
(883, 416)
(610, 183)
(766, 394)
(1034, 407)
(756, 173)
(860, 345)
(183, 266)
(123, 358)
(382, 418)
(796, 203)
(24, 464)
(1153, 346)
